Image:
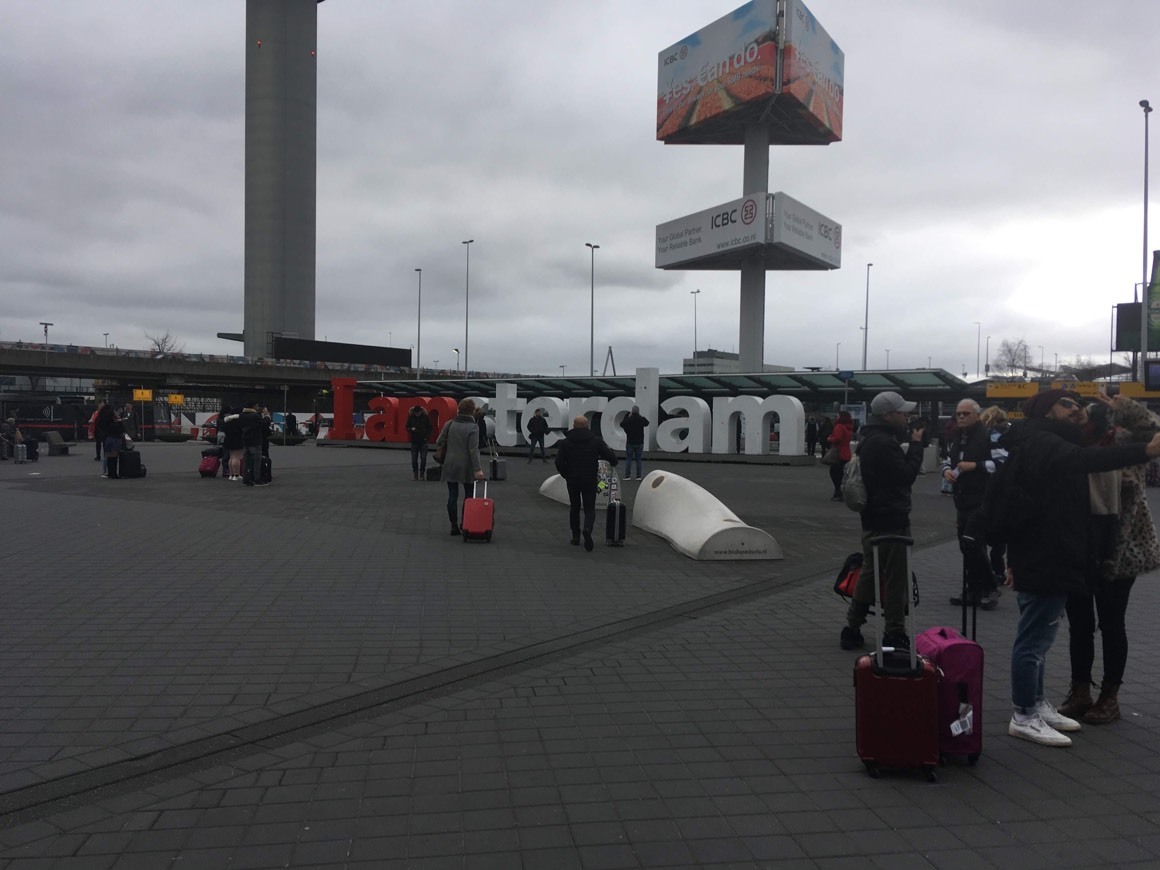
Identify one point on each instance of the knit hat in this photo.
(1039, 404)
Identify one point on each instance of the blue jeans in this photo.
(1039, 618)
(632, 451)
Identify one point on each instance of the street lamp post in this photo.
(561, 371)
(1057, 363)
(106, 340)
(978, 337)
(1040, 358)
(987, 359)
(1146, 106)
(866, 317)
(466, 302)
(887, 359)
(455, 351)
(592, 309)
(837, 357)
(419, 327)
(46, 326)
(695, 294)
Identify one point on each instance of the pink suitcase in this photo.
(960, 694)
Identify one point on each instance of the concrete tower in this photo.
(281, 158)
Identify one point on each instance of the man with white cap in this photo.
(888, 473)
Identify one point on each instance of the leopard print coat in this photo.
(1137, 548)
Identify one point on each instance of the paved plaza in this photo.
(197, 674)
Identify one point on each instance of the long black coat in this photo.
(1049, 556)
(578, 457)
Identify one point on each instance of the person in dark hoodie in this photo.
(251, 420)
(1047, 553)
(577, 460)
(888, 473)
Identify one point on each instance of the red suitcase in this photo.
(478, 515)
(896, 699)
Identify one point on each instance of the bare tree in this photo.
(165, 343)
(1012, 357)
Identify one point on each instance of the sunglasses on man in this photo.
(1070, 404)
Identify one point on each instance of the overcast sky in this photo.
(991, 169)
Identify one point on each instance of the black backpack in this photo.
(1008, 506)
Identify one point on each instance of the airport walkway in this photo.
(194, 674)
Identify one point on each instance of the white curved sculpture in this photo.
(556, 489)
(695, 522)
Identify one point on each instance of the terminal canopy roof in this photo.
(808, 386)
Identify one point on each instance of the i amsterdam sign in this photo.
(692, 424)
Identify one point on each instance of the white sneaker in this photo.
(1037, 731)
(1055, 719)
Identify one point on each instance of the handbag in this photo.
(440, 453)
(831, 456)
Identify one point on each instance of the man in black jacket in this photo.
(537, 429)
(252, 425)
(888, 474)
(967, 466)
(633, 425)
(578, 460)
(1047, 554)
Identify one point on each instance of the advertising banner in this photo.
(805, 231)
(718, 70)
(736, 225)
(813, 70)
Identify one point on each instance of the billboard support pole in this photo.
(755, 179)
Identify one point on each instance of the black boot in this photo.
(113, 462)
(452, 515)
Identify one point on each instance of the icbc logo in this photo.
(684, 51)
(748, 211)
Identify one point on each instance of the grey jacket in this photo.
(462, 460)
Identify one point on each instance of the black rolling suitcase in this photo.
(617, 517)
(497, 467)
(266, 470)
(129, 464)
(32, 450)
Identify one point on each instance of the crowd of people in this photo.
(1051, 506)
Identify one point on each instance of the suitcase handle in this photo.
(475, 489)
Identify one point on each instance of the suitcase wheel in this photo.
(972, 760)
(872, 769)
(487, 537)
(931, 776)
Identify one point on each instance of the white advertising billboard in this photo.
(783, 232)
(813, 70)
(734, 226)
(806, 232)
(718, 69)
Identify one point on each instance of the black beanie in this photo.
(1039, 404)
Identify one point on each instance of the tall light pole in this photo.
(561, 371)
(455, 351)
(1144, 104)
(46, 326)
(1057, 363)
(837, 357)
(106, 340)
(419, 327)
(695, 294)
(1040, 358)
(887, 359)
(592, 309)
(466, 302)
(866, 318)
(987, 359)
(978, 340)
